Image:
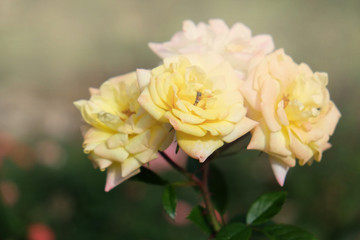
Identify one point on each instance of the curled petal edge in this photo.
(280, 170)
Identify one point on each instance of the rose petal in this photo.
(198, 147)
(280, 170)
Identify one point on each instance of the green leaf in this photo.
(169, 201)
(265, 207)
(287, 232)
(234, 231)
(198, 216)
(218, 189)
(148, 176)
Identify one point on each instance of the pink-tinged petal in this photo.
(241, 128)
(280, 170)
(143, 77)
(218, 26)
(240, 31)
(114, 177)
(160, 50)
(264, 43)
(198, 147)
(190, 30)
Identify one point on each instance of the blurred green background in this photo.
(51, 52)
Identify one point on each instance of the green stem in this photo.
(202, 184)
(180, 169)
(207, 199)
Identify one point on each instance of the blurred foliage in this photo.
(52, 51)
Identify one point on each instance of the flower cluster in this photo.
(214, 85)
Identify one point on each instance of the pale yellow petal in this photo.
(219, 128)
(330, 120)
(184, 127)
(161, 136)
(147, 103)
(102, 163)
(129, 166)
(281, 114)
(114, 176)
(143, 77)
(139, 143)
(241, 128)
(115, 154)
(236, 114)
(269, 94)
(187, 117)
(278, 144)
(301, 151)
(145, 156)
(94, 137)
(259, 139)
(198, 147)
(153, 86)
(117, 140)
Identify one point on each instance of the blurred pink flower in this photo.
(40, 231)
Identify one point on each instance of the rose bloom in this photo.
(199, 96)
(235, 44)
(122, 136)
(294, 111)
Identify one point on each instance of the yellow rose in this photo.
(294, 111)
(122, 136)
(199, 96)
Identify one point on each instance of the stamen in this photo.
(286, 100)
(128, 112)
(198, 96)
